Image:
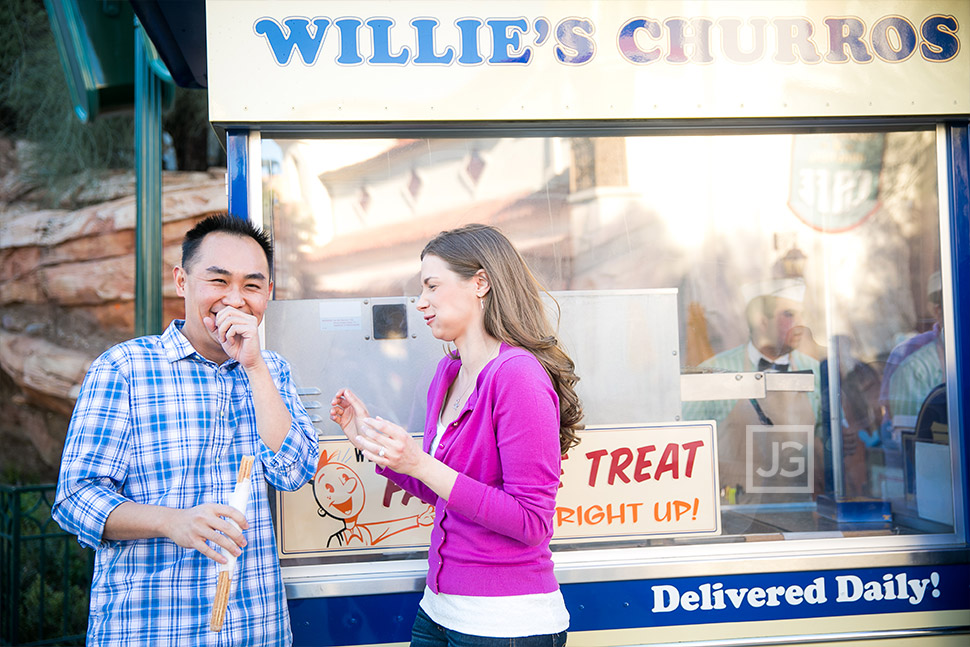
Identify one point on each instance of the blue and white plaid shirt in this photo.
(157, 423)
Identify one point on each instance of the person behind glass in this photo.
(153, 451)
(502, 410)
(920, 360)
(773, 312)
(859, 419)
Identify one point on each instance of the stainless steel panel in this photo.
(624, 343)
(790, 382)
(721, 386)
(331, 344)
(696, 387)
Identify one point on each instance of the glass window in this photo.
(805, 265)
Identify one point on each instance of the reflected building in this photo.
(705, 215)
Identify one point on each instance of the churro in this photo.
(240, 501)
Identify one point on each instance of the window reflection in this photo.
(810, 260)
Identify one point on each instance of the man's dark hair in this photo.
(223, 222)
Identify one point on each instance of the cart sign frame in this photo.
(432, 60)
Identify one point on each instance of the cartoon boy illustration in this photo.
(340, 494)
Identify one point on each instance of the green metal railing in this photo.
(45, 575)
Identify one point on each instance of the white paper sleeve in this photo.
(239, 499)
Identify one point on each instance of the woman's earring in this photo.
(481, 300)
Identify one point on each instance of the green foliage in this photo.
(54, 573)
(21, 22)
(37, 626)
(188, 124)
(35, 104)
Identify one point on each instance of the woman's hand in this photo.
(389, 445)
(347, 410)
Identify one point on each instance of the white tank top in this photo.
(505, 616)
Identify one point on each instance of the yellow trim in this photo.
(779, 628)
(795, 627)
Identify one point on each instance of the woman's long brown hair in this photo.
(514, 311)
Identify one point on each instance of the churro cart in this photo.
(752, 220)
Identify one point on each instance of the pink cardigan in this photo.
(492, 536)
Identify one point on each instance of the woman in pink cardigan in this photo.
(502, 410)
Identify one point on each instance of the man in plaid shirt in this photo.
(152, 451)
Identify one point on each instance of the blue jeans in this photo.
(428, 633)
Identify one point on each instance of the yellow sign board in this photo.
(620, 482)
(320, 62)
(640, 481)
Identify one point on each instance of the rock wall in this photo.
(67, 286)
